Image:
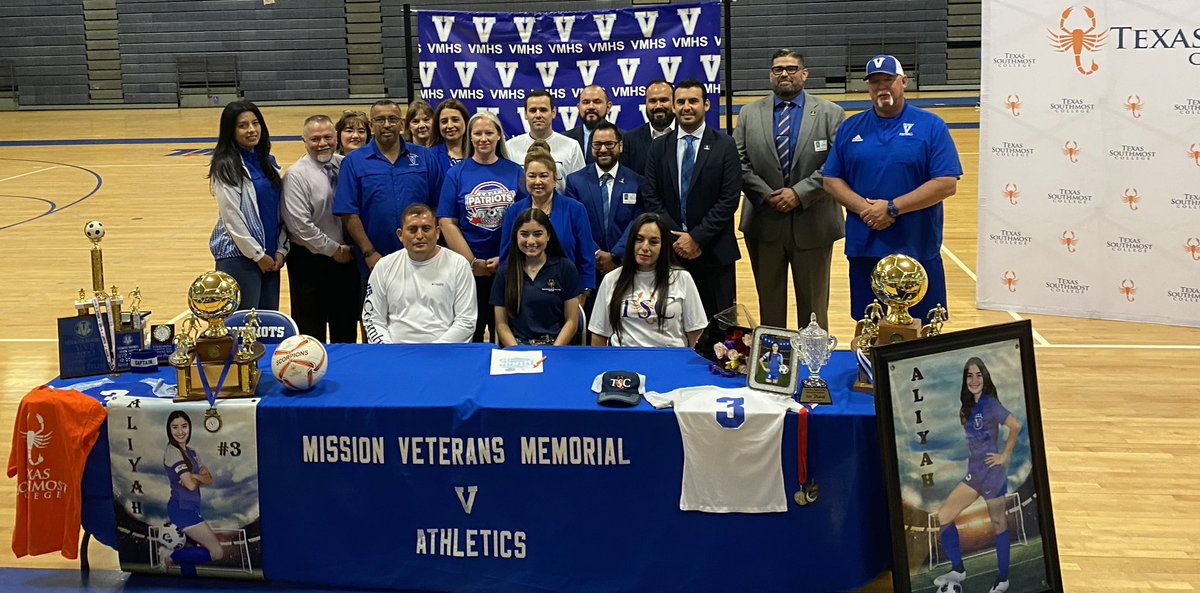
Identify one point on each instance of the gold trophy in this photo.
(215, 352)
(899, 282)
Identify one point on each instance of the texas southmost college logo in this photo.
(37, 439)
(1077, 40)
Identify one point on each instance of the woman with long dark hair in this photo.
(648, 301)
(249, 241)
(353, 131)
(450, 142)
(569, 216)
(536, 293)
(186, 475)
(981, 416)
(475, 196)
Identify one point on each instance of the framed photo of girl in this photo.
(964, 462)
(773, 360)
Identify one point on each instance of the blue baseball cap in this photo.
(884, 64)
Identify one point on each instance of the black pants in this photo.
(486, 313)
(716, 285)
(324, 293)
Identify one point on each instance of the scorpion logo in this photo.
(1131, 198)
(1194, 153)
(1071, 149)
(1012, 193)
(1133, 104)
(1013, 103)
(1128, 289)
(1078, 40)
(1192, 245)
(37, 440)
(1010, 280)
(1068, 239)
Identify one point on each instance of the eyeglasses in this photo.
(608, 145)
(777, 70)
(379, 121)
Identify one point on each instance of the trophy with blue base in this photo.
(99, 338)
(217, 363)
(899, 282)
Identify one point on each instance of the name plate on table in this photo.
(81, 350)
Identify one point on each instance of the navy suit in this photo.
(610, 235)
(716, 189)
(636, 144)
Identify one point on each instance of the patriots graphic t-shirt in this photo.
(477, 197)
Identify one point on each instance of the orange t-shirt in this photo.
(53, 434)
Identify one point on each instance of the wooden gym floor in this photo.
(1120, 401)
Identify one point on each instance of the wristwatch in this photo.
(892, 210)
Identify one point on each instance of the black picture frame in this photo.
(928, 434)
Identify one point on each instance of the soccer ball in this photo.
(950, 588)
(299, 362)
(94, 230)
(783, 369)
(171, 536)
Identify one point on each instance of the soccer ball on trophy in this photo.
(171, 536)
(94, 230)
(299, 362)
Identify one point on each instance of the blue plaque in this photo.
(81, 350)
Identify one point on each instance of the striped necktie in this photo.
(783, 139)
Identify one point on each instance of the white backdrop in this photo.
(1089, 159)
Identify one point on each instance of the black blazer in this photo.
(715, 191)
(576, 134)
(636, 144)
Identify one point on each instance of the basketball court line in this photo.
(29, 173)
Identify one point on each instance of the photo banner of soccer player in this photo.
(964, 463)
(185, 483)
(490, 61)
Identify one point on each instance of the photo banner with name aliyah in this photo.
(1089, 160)
(490, 61)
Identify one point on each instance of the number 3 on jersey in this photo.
(735, 415)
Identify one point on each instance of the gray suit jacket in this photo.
(820, 221)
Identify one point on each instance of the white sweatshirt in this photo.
(411, 302)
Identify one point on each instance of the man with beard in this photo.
(694, 179)
(660, 121)
(322, 278)
(593, 109)
(609, 192)
(891, 166)
(788, 219)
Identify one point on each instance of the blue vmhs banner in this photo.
(490, 61)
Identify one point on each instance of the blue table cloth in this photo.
(395, 523)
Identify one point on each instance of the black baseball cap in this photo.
(619, 388)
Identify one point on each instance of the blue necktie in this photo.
(685, 182)
(606, 195)
(783, 139)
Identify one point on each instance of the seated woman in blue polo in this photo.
(536, 292)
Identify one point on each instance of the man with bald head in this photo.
(593, 109)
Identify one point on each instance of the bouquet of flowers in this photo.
(732, 354)
(726, 341)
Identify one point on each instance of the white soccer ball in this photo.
(950, 587)
(299, 362)
(783, 369)
(171, 536)
(94, 230)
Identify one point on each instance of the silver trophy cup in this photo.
(816, 345)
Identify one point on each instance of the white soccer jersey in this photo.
(731, 448)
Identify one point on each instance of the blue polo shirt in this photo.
(885, 158)
(378, 191)
(477, 196)
(267, 197)
(569, 218)
(542, 299)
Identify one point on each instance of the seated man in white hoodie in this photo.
(422, 293)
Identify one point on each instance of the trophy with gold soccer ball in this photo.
(213, 363)
(899, 282)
